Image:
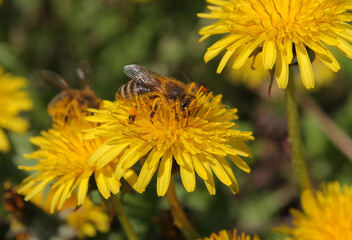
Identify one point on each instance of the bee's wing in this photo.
(85, 74)
(148, 77)
(56, 79)
(137, 72)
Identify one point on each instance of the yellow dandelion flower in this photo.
(13, 100)
(326, 214)
(195, 140)
(281, 30)
(228, 235)
(63, 160)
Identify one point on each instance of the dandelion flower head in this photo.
(282, 31)
(62, 159)
(228, 235)
(14, 99)
(325, 215)
(193, 140)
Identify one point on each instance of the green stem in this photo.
(295, 138)
(180, 218)
(122, 216)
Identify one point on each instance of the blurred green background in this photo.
(163, 36)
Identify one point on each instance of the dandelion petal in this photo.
(281, 71)
(164, 174)
(243, 56)
(188, 178)
(305, 66)
(209, 182)
(269, 54)
(82, 191)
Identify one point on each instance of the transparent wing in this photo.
(85, 74)
(56, 79)
(137, 72)
(148, 77)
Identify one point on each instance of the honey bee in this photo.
(146, 83)
(65, 104)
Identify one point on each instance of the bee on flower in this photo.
(62, 155)
(171, 129)
(146, 85)
(70, 103)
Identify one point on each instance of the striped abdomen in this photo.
(133, 89)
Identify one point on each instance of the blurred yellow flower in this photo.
(63, 159)
(228, 235)
(14, 99)
(172, 141)
(326, 214)
(282, 30)
(86, 220)
(253, 74)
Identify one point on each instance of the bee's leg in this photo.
(68, 113)
(155, 108)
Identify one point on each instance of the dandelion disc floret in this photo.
(326, 214)
(196, 140)
(283, 30)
